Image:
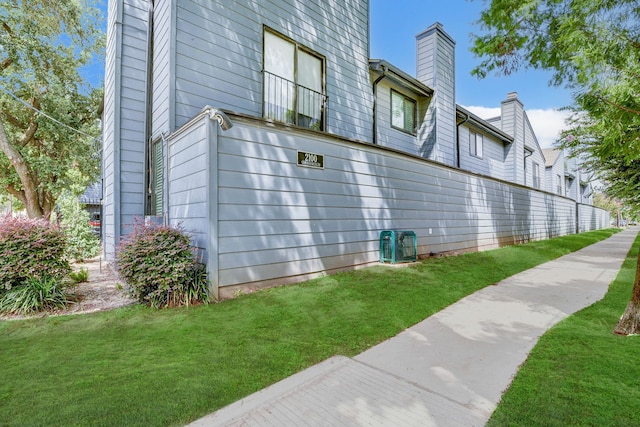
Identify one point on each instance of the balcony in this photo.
(290, 103)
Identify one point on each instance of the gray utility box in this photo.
(398, 246)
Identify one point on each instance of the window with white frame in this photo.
(475, 144)
(403, 112)
(559, 184)
(293, 83)
(535, 170)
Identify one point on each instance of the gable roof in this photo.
(92, 195)
(550, 156)
(383, 68)
(472, 119)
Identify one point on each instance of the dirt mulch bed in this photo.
(101, 292)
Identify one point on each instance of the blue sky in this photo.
(393, 31)
(394, 25)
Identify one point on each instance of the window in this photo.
(155, 176)
(293, 83)
(403, 112)
(475, 144)
(559, 184)
(536, 175)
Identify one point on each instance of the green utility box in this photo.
(398, 246)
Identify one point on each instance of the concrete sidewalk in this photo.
(448, 370)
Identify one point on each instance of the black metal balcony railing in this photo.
(288, 102)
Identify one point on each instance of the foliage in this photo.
(30, 249)
(195, 289)
(602, 201)
(80, 276)
(44, 45)
(206, 357)
(160, 266)
(593, 47)
(34, 294)
(82, 243)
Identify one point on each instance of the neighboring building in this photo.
(91, 199)
(524, 161)
(285, 150)
(555, 171)
(482, 147)
(566, 176)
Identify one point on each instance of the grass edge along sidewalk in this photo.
(580, 373)
(138, 366)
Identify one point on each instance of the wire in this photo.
(11, 94)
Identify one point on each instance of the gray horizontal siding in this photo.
(188, 181)
(551, 174)
(387, 135)
(109, 170)
(278, 220)
(493, 158)
(436, 69)
(261, 219)
(124, 118)
(592, 218)
(162, 68)
(133, 103)
(218, 56)
(538, 158)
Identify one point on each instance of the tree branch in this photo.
(12, 119)
(33, 125)
(616, 105)
(16, 193)
(34, 209)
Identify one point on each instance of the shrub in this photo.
(160, 267)
(30, 249)
(79, 276)
(34, 294)
(82, 243)
(196, 288)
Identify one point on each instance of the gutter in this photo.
(466, 119)
(375, 101)
(524, 164)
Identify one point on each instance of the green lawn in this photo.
(580, 373)
(138, 366)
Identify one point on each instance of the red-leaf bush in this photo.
(160, 267)
(30, 249)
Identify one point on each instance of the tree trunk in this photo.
(629, 323)
(30, 189)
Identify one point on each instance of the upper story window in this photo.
(536, 175)
(475, 144)
(293, 83)
(403, 112)
(559, 184)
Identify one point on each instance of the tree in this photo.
(82, 243)
(603, 201)
(592, 48)
(48, 120)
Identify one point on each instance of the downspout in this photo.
(117, 132)
(148, 111)
(524, 164)
(375, 102)
(165, 180)
(458, 139)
